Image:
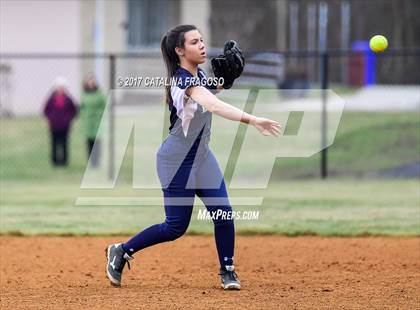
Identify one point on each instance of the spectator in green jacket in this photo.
(92, 105)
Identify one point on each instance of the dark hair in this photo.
(172, 39)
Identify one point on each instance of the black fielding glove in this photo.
(230, 65)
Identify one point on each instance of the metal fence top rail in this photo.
(413, 51)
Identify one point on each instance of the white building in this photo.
(82, 26)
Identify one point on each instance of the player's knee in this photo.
(174, 234)
(175, 231)
(222, 215)
(223, 222)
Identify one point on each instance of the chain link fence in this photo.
(378, 134)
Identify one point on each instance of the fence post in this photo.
(324, 86)
(111, 141)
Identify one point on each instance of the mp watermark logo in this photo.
(244, 156)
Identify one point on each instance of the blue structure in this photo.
(368, 61)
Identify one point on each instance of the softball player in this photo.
(186, 166)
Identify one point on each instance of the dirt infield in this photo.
(276, 272)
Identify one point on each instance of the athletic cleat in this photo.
(230, 279)
(116, 262)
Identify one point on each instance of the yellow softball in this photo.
(378, 43)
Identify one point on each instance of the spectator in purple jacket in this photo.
(59, 111)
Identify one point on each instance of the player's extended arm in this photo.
(213, 104)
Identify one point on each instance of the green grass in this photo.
(330, 208)
(38, 199)
(365, 144)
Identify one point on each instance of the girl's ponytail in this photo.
(170, 68)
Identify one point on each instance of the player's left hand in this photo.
(230, 65)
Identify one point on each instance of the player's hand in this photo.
(267, 126)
